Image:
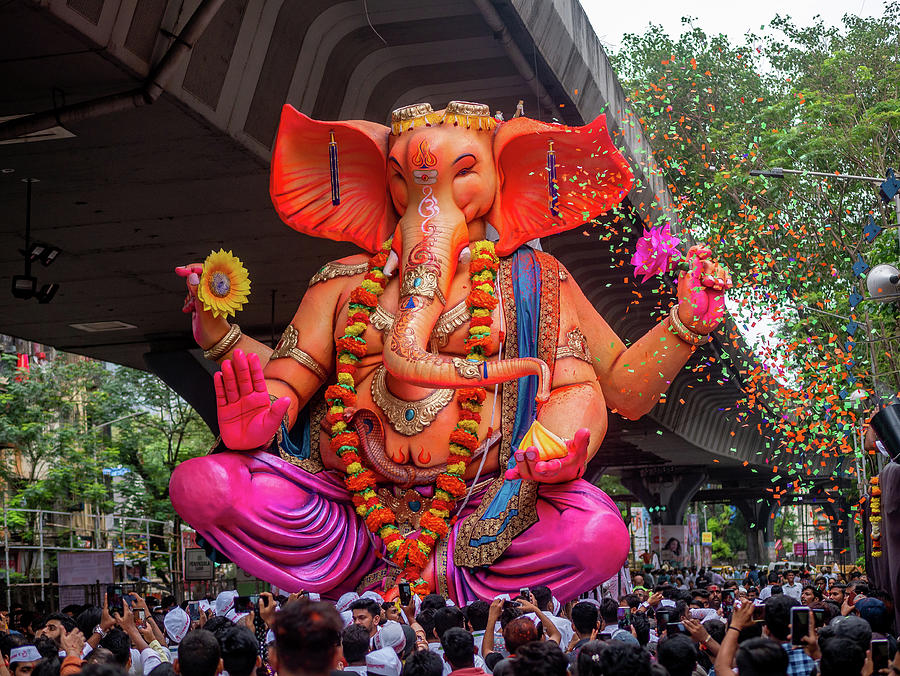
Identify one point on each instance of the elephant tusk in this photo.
(393, 261)
(465, 255)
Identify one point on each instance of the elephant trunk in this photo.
(432, 238)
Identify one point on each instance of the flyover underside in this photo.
(128, 196)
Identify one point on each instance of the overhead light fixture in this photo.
(35, 251)
(23, 286)
(882, 282)
(45, 253)
(101, 327)
(49, 255)
(45, 295)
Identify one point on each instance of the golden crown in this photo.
(459, 113)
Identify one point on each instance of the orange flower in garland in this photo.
(411, 553)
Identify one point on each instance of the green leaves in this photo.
(57, 429)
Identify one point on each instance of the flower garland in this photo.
(875, 516)
(410, 553)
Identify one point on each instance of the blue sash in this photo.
(526, 276)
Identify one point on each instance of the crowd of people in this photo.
(671, 622)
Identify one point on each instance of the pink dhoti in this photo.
(299, 530)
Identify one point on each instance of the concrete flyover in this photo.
(152, 124)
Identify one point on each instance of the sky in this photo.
(612, 20)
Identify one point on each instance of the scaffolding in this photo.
(33, 537)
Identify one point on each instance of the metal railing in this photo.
(134, 541)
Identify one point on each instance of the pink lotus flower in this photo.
(655, 251)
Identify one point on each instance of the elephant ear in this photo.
(591, 174)
(300, 182)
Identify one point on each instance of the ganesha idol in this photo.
(429, 412)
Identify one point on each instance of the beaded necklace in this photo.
(410, 553)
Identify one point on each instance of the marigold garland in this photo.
(875, 516)
(410, 553)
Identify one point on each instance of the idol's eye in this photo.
(464, 171)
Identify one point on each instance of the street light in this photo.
(882, 282)
(889, 186)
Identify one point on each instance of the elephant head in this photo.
(432, 180)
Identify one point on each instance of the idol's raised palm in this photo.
(247, 418)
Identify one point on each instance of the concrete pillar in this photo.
(843, 534)
(672, 489)
(758, 515)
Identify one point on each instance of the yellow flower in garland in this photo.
(224, 284)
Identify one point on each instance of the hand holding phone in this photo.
(405, 593)
(880, 654)
(759, 611)
(662, 620)
(799, 624)
(114, 600)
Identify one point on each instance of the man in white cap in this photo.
(375, 596)
(383, 662)
(23, 659)
(225, 603)
(177, 624)
(343, 603)
(391, 636)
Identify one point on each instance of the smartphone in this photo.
(128, 598)
(194, 611)
(139, 616)
(624, 617)
(759, 611)
(799, 624)
(114, 598)
(405, 593)
(254, 601)
(676, 628)
(879, 654)
(819, 617)
(662, 620)
(525, 593)
(242, 604)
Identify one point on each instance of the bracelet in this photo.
(735, 629)
(99, 631)
(683, 332)
(223, 347)
(287, 347)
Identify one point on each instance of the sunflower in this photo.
(224, 284)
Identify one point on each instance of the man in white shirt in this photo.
(542, 597)
(790, 587)
(766, 591)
